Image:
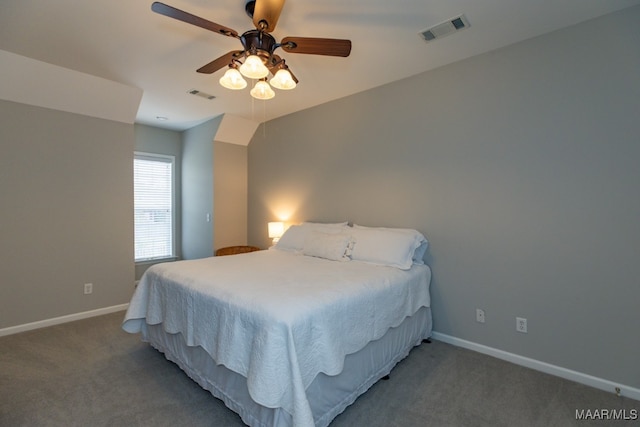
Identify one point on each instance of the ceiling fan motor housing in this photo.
(259, 43)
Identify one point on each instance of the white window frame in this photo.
(165, 159)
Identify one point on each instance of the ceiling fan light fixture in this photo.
(254, 68)
(283, 80)
(233, 80)
(257, 60)
(262, 90)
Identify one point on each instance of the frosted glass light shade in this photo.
(232, 79)
(283, 80)
(262, 90)
(253, 68)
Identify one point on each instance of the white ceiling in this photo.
(125, 42)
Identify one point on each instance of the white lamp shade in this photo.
(283, 80)
(262, 90)
(276, 229)
(253, 68)
(232, 79)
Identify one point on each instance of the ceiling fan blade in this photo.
(223, 61)
(183, 16)
(266, 14)
(316, 46)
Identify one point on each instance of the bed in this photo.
(292, 335)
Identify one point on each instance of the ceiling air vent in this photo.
(444, 29)
(201, 94)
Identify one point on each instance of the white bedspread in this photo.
(275, 317)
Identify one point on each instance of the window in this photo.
(153, 206)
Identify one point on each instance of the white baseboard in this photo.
(579, 377)
(63, 319)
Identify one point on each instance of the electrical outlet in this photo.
(479, 315)
(88, 288)
(521, 325)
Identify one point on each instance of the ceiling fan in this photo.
(257, 58)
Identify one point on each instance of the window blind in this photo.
(153, 206)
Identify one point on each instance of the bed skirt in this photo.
(328, 395)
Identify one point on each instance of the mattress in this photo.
(279, 320)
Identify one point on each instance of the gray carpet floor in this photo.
(91, 373)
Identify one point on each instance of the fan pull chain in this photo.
(264, 112)
(253, 102)
(264, 119)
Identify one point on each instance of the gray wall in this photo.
(229, 194)
(197, 189)
(519, 165)
(66, 217)
(150, 139)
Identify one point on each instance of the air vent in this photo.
(448, 27)
(201, 94)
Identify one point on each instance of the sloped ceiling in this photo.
(33, 82)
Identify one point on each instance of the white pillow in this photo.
(418, 254)
(294, 238)
(423, 243)
(335, 247)
(385, 246)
